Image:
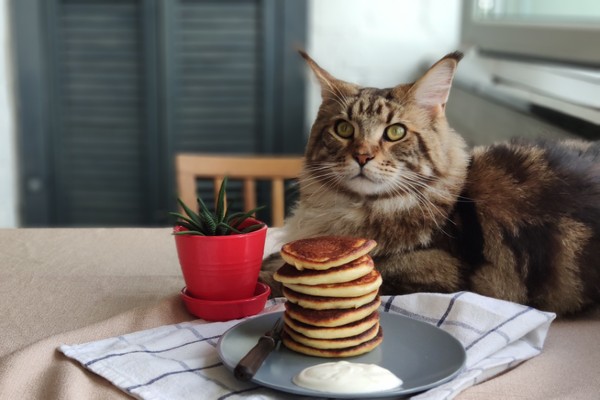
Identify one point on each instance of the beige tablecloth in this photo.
(76, 285)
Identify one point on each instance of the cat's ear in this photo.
(331, 87)
(431, 91)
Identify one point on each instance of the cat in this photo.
(518, 221)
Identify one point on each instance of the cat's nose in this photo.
(363, 159)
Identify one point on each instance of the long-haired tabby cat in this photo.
(518, 221)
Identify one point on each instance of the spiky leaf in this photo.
(252, 228)
(180, 233)
(182, 218)
(193, 215)
(221, 206)
(236, 221)
(188, 226)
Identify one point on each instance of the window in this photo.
(556, 30)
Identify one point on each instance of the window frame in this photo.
(560, 43)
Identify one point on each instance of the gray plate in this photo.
(420, 354)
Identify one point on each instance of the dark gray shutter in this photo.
(216, 76)
(98, 132)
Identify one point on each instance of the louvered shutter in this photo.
(98, 133)
(216, 53)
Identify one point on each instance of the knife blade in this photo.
(251, 362)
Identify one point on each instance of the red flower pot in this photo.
(221, 267)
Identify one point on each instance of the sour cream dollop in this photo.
(347, 377)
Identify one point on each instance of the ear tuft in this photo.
(456, 55)
(432, 89)
(330, 86)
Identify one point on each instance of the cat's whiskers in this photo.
(429, 205)
(332, 182)
(417, 178)
(414, 186)
(325, 175)
(427, 200)
(327, 179)
(401, 190)
(421, 200)
(322, 166)
(324, 182)
(315, 173)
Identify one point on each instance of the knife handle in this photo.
(252, 361)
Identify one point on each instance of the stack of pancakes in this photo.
(331, 286)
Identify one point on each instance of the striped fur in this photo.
(518, 221)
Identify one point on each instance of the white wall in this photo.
(369, 42)
(8, 192)
(379, 43)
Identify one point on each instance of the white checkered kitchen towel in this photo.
(181, 362)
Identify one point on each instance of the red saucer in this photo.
(225, 310)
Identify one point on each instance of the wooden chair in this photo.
(190, 167)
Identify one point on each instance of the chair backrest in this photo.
(191, 167)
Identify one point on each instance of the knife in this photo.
(252, 361)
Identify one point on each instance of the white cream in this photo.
(347, 377)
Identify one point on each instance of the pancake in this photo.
(362, 348)
(339, 343)
(358, 287)
(330, 318)
(319, 332)
(327, 303)
(344, 273)
(325, 252)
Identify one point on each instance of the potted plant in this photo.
(220, 253)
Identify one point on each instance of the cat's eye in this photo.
(344, 129)
(394, 132)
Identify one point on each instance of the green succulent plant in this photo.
(217, 223)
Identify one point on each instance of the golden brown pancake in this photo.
(362, 348)
(358, 287)
(330, 318)
(339, 343)
(331, 287)
(325, 252)
(319, 332)
(288, 274)
(327, 303)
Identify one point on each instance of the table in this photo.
(73, 285)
